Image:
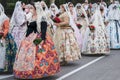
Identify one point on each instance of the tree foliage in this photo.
(9, 4)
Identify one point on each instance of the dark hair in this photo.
(62, 5)
(33, 4)
(22, 3)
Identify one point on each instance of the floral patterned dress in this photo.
(8, 49)
(18, 24)
(33, 61)
(66, 42)
(97, 42)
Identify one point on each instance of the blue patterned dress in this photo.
(8, 50)
(113, 27)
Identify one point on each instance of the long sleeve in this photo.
(6, 27)
(43, 29)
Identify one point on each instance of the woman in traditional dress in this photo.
(72, 11)
(103, 11)
(47, 14)
(73, 20)
(54, 10)
(37, 56)
(85, 5)
(44, 6)
(104, 6)
(65, 39)
(114, 26)
(18, 24)
(8, 47)
(27, 12)
(97, 41)
(82, 19)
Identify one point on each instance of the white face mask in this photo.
(53, 9)
(29, 16)
(26, 10)
(79, 10)
(86, 7)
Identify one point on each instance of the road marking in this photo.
(66, 75)
(80, 68)
(6, 76)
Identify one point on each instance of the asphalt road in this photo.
(101, 67)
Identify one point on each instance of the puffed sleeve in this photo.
(6, 27)
(65, 20)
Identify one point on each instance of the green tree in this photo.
(3, 2)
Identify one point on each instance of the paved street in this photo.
(88, 68)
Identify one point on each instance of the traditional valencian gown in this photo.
(8, 49)
(18, 24)
(65, 41)
(97, 41)
(114, 26)
(33, 61)
(82, 19)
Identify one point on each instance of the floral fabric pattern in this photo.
(98, 42)
(9, 54)
(68, 47)
(33, 61)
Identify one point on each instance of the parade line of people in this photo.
(37, 40)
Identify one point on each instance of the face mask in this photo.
(26, 10)
(86, 7)
(29, 16)
(79, 10)
(52, 9)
